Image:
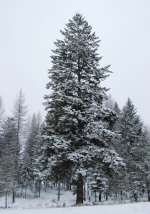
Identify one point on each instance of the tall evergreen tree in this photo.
(78, 129)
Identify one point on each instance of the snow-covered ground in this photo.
(132, 208)
(48, 204)
(47, 199)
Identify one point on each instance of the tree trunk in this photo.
(100, 196)
(121, 193)
(84, 192)
(35, 188)
(13, 196)
(58, 190)
(39, 188)
(148, 195)
(6, 200)
(106, 196)
(116, 196)
(95, 196)
(21, 191)
(88, 192)
(135, 196)
(79, 189)
(25, 192)
(70, 187)
(67, 186)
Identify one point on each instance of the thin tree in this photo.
(19, 113)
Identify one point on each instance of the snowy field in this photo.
(48, 204)
(48, 199)
(133, 208)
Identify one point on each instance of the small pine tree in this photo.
(29, 175)
(131, 147)
(8, 157)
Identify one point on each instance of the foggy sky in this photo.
(28, 29)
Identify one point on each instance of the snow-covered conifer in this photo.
(131, 147)
(78, 127)
(8, 157)
(29, 165)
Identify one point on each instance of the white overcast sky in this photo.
(28, 29)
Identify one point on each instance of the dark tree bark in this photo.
(116, 196)
(13, 196)
(148, 195)
(25, 192)
(84, 192)
(79, 189)
(58, 187)
(95, 196)
(21, 191)
(100, 196)
(6, 200)
(106, 196)
(70, 187)
(121, 193)
(39, 188)
(135, 197)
